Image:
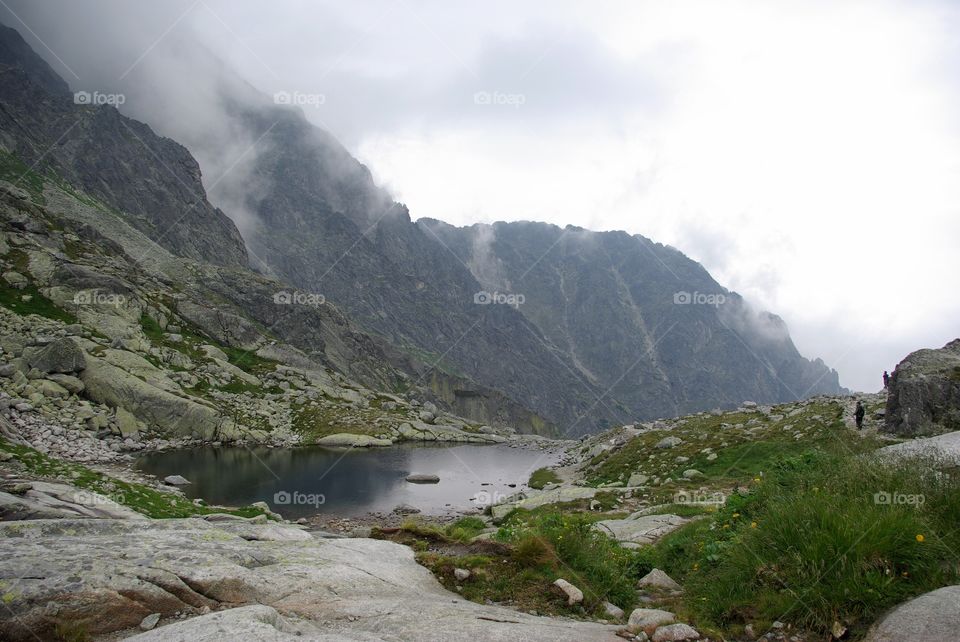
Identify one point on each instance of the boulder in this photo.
(660, 580)
(647, 620)
(175, 480)
(61, 355)
(675, 633)
(932, 617)
(669, 442)
(350, 440)
(574, 595)
(117, 388)
(640, 529)
(924, 393)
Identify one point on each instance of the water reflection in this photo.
(294, 481)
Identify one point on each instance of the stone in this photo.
(175, 480)
(574, 595)
(640, 529)
(52, 390)
(72, 384)
(647, 620)
(692, 473)
(613, 610)
(461, 574)
(406, 509)
(422, 478)
(61, 355)
(669, 442)
(932, 617)
(147, 623)
(675, 633)
(350, 440)
(658, 579)
(127, 423)
(638, 479)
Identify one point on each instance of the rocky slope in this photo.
(925, 393)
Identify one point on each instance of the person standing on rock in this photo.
(859, 413)
(886, 379)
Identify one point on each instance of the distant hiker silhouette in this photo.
(886, 378)
(858, 414)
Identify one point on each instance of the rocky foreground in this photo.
(106, 576)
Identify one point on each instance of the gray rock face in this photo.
(108, 384)
(60, 356)
(108, 575)
(932, 617)
(924, 393)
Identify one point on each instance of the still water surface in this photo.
(299, 482)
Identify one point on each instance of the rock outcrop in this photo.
(924, 393)
(108, 575)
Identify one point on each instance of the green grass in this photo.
(36, 303)
(520, 567)
(465, 529)
(809, 545)
(143, 499)
(543, 476)
(248, 361)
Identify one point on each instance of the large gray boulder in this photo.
(107, 575)
(924, 393)
(60, 356)
(108, 384)
(932, 617)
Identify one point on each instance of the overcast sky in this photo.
(807, 153)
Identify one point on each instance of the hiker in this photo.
(858, 414)
(886, 378)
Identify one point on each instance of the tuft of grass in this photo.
(465, 529)
(542, 477)
(29, 300)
